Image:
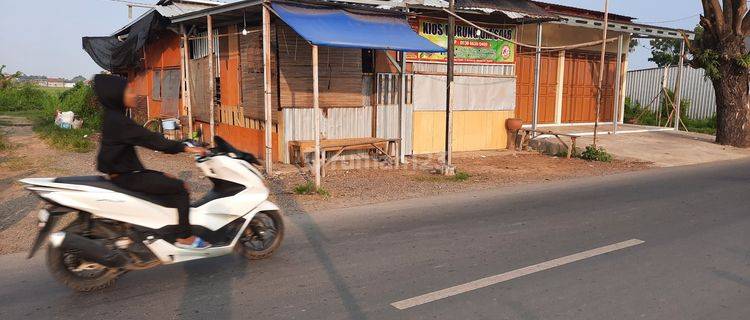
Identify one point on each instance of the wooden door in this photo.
(525, 87)
(581, 85)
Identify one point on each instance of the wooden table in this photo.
(299, 148)
(526, 137)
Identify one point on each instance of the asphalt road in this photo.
(693, 262)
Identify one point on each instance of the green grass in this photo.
(635, 112)
(54, 91)
(596, 154)
(77, 140)
(460, 176)
(40, 104)
(309, 188)
(4, 144)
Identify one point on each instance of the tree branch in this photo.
(745, 25)
(740, 12)
(716, 15)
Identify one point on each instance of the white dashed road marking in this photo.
(488, 281)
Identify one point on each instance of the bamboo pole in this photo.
(401, 110)
(537, 71)
(316, 115)
(267, 90)
(678, 88)
(186, 79)
(211, 79)
(600, 94)
(618, 81)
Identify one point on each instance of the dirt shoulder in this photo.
(485, 170)
(347, 185)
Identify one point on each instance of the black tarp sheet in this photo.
(112, 54)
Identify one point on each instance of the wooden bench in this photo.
(527, 136)
(298, 149)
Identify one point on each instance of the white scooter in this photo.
(117, 230)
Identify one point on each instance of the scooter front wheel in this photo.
(262, 236)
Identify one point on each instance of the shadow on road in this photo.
(316, 239)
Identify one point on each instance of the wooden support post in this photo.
(267, 90)
(448, 168)
(211, 78)
(401, 110)
(600, 93)
(316, 115)
(618, 81)
(186, 80)
(678, 88)
(537, 72)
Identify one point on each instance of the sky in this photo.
(43, 37)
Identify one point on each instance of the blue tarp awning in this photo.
(336, 27)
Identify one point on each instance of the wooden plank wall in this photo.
(199, 96)
(251, 65)
(340, 73)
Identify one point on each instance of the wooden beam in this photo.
(211, 78)
(600, 93)
(316, 115)
(186, 79)
(267, 89)
(401, 110)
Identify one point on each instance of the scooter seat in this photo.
(102, 183)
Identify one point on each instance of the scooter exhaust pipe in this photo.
(89, 250)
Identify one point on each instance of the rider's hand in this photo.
(197, 150)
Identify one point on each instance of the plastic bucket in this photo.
(169, 124)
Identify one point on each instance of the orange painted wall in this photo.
(163, 52)
(245, 139)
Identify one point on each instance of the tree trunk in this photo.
(733, 101)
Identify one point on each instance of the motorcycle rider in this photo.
(118, 160)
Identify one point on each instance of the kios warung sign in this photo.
(471, 45)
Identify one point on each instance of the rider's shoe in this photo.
(197, 243)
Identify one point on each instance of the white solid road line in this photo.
(488, 281)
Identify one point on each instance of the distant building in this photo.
(39, 81)
(55, 83)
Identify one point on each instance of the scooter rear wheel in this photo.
(263, 236)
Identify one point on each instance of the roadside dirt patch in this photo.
(485, 169)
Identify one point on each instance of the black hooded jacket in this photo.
(120, 134)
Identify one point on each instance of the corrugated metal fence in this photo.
(339, 123)
(644, 85)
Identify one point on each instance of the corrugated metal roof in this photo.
(176, 9)
(172, 8)
(518, 6)
(514, 9)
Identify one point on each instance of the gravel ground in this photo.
(349, 184)
(485, 169)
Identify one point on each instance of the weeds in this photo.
(309, 188)
(593, 154)
(564, 153)
(40, 105)
(4, 144)
(25, 97)
(77, 140)
(461, 176)
(638, 114)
